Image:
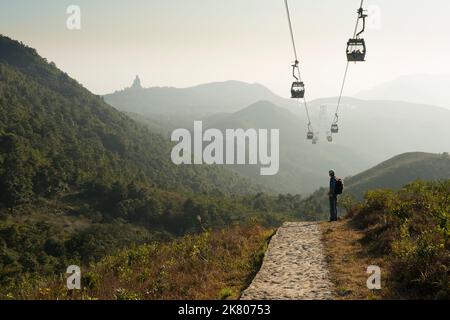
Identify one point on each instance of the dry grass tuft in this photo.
(348, 260)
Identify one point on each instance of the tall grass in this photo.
(211, 265)
(411, 228)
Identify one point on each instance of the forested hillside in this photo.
(63, 136)
(79, 179)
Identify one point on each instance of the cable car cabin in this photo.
(330, 138)
(314, 140)
(356, 50)
(297, 90)
(334, 128)
(310, 135)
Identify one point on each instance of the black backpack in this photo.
(339, 188)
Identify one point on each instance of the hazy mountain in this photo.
(203, 99)
(400, 170)
(303, 166)
(422, 89)
(378, 130)
(370, 131)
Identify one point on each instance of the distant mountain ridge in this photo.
(406, 127)
(204, 99)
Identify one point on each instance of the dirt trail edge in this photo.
(294, 266)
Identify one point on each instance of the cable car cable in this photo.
(295, 66)
(290, 29)
(336, 114)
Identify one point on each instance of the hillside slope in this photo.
(207, 266)
(403, 232)
(400, 170)
(79, 179)
(391, 174)
(65, 136)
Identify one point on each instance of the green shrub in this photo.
(411, 228)
(225, 293)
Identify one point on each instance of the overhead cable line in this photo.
(298, 87)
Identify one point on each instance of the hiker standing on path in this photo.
(335, 189)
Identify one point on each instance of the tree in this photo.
(16, 185)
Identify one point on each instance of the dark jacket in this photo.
(332, 187)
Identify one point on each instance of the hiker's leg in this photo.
(335, 209)
(331, 209)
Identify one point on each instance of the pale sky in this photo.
(187, 42)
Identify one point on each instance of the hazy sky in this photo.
(187, 42)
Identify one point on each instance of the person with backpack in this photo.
(336, 188)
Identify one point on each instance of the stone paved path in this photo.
(294, 266)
